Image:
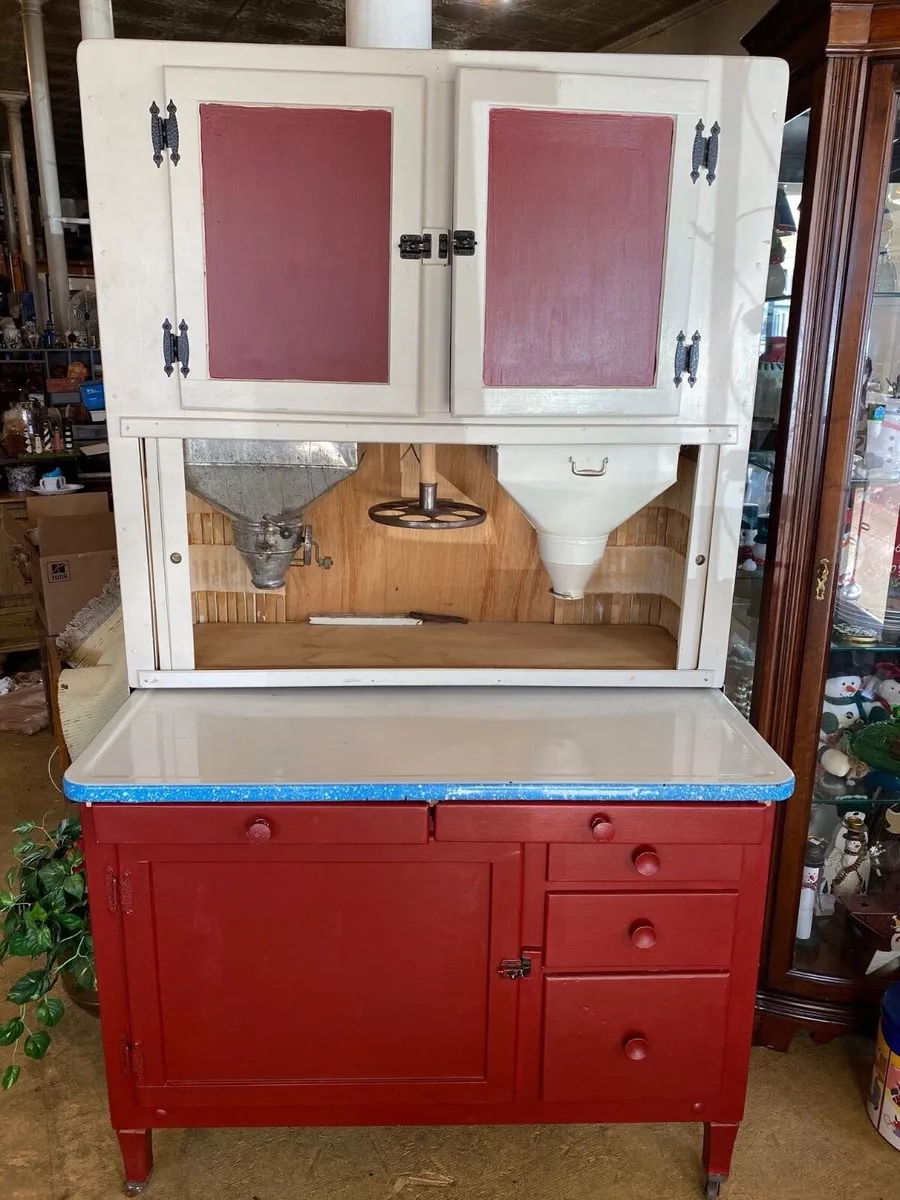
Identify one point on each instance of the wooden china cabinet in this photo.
(815, 647)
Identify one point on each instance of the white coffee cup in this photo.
(51, 483)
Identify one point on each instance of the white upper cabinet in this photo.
(290, 195)
(587, 276)
(599, 228)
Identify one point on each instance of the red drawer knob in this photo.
(643, 936)
(636, 1049)
(259, 832)
(602, 829)
(646, 862)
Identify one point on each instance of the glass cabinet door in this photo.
(740, 672)
(848, 923)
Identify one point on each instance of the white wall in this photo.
(716, 30)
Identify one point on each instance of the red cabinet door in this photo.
(288, 974)
(588, 261)
(288, 203)
(634, 1037)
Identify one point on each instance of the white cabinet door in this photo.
(289, 199)
(591, 260)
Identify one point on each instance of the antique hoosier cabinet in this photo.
(429, 378)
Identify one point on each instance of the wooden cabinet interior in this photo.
(490, 575)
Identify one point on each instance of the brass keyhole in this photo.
(822, 577)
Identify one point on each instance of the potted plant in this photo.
(44, 913)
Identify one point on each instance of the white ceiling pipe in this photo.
(96, 19)
(45, 143)
(395, 24)
(13, 102)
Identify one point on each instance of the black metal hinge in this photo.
(464, 242)
(415, 245)
(687, 358)
(705, 152)
(176, 347)
(164, 133)
(515, 968)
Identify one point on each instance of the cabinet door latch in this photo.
(464, 243)
(164, 133)
(515, 968)
(415, 245)
(176, 348)
(705, 152)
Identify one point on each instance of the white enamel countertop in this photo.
(428, 744)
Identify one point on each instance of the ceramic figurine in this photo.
(777, 277)
(843, 706)
(885, 698)
(11, 337)
(847, 865)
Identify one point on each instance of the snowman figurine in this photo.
(885, 702)
(843, 706)
(847, 865)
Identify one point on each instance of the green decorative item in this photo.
(877, 745)
(44, 913)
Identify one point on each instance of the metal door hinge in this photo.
(132, 1059)
(164, 133)
(112, 890)
(464, 242)
(176, 347)
(687, 358)
(705, 152)
(415, 245)
(515, 968)
(119, 892)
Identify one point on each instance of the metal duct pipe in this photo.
(13, 102)
(42, 118)
(96, 19)
(398, 24)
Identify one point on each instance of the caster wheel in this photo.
(133, 1188)
(713, 1187)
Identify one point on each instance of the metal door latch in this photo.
(822, 578)
(705, 152)
(164, 133)
(515, 968)
(176, 347)
(464, 243)
(415, 245)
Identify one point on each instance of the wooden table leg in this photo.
(718, 1143)
(136, 1146)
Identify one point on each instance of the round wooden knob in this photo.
(636, 1049)
(643, 936)
(602, 829)
(259, 832)
(646, 862)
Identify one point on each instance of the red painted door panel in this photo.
(672, 1025)
(297, 218)
(576, 236)
(337, 977)
(633, 931)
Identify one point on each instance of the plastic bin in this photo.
(883, 1104)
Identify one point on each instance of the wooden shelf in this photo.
(511, 644)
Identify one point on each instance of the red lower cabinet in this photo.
(379, 964)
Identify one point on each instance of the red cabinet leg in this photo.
(136, 1146)
(718, 1143)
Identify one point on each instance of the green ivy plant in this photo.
(44, 912)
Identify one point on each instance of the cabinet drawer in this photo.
(667, 863)
(259, 825)
(630, 1038)
(601, 824)
(637, 932)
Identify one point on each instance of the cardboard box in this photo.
(72, 542)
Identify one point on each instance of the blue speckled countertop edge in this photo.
(432, 793)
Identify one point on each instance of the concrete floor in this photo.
(805, 1136)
